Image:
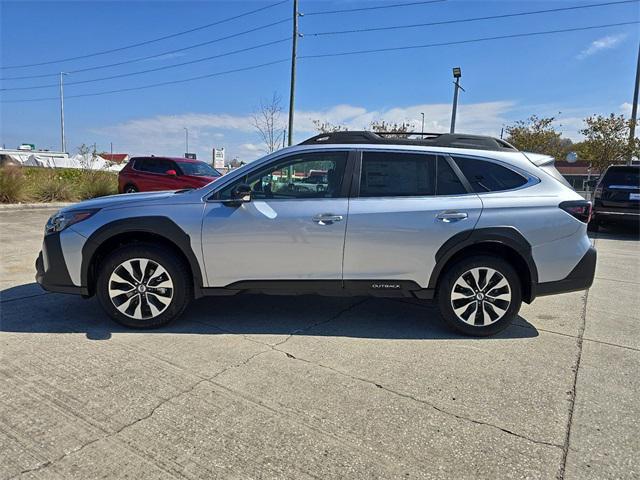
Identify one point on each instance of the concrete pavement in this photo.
(317, 387)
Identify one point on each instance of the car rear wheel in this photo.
(130, 189)
(143, 286)
(480, 295)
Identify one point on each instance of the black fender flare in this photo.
(507, 236)
(157, 225)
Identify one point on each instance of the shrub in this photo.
(12, 184)
(97, 184)
(51, 187)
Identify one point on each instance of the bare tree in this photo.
(394, 129)
(327, 127)
(267, 121)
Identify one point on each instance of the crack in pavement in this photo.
(585, 339)
(572, 399)
(144, 417)
(378, 385)
(418, 400)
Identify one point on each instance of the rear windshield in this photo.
(199, 169)
(628, 176)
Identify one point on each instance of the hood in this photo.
(118, 200)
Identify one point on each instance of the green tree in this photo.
(538, 135)
(607, 141)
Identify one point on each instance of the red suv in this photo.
(145, 174)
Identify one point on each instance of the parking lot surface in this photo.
(317, 387)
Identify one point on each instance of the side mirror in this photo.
(171, 173)
(242, 193)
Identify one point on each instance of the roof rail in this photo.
(455, 140)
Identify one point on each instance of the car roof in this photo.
(175, 159)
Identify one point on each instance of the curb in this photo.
(33, 206)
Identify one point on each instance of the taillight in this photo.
(580, 209)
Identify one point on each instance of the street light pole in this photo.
(186, 139)
(457, 73)
(422, 131)
(292, 87)
(63, 140)
(634, 109)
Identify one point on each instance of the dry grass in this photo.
(33, 184)
(12, 185)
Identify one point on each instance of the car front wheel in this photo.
(480, 295)
(143, 286)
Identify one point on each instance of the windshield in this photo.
(629, 176)
(199, 169)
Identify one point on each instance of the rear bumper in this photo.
(580, 278)
(51, 269)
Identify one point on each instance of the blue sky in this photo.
(577, 73)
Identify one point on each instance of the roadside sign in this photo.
(218, 157)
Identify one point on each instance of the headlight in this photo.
(62, 220)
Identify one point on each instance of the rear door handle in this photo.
(326, 218)
(449, 216)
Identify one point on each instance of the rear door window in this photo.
(486, 176)
(154, 165)
(448, 182)
(397, 174)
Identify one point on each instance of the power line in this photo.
(347, 10)
(143, 87)
(164, 67)
(147, 42)
(474, 40)
(474, 19)
(336, 54)
(156, 55)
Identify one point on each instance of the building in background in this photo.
(577, 173)
(117, 158)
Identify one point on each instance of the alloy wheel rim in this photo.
(140, 288)
(481, 296)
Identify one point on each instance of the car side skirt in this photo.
(348, 288)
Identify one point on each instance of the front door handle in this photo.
(326, 218)
(451, 216)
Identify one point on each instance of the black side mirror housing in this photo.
(241, 194)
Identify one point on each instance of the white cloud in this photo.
(165, 135)
(625, 109)
(604, 43)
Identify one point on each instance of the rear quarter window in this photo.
(486, 176)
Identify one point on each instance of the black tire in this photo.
(489, 304)
(130, 189)
(153, 298)
(593, 225)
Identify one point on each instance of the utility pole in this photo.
(63, 140)
(294, 51)
(422, 131)
(186, 140)
(457, 73)
(634, 109)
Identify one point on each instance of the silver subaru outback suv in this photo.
(466, 221)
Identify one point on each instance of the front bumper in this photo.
(580, 278)
(51, 269)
